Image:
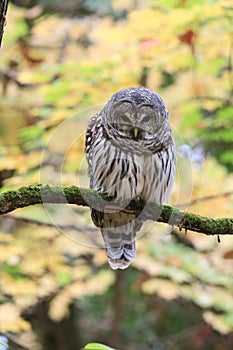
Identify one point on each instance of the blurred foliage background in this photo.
(60, 62)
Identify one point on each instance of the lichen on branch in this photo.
(39, 194)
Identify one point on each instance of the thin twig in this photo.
(205, 198)
(186, 334)
(67, 227)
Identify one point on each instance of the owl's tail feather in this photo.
(118, 231)
(120, 250)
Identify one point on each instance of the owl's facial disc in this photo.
(135, 122)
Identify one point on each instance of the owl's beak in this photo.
(135, 132)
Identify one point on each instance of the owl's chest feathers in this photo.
(123, 174)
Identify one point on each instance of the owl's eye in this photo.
(145, 119)
(125, 119)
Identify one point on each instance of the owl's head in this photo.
(137, 114)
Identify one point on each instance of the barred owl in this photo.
(131, 155)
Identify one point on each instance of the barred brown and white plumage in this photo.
(131, 155)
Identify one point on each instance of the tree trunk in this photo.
(118, 308)
(63, 335)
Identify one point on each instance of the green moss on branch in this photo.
(41, 194)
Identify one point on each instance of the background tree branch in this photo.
(39, 194)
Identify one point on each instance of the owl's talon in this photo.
(102, 191)
(181, 224)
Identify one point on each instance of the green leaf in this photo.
(97, 346)
(20, 30)
(13, 270)
(64, 279)
(30, 135)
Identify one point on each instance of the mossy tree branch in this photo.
(41, 194)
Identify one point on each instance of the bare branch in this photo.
(80, 227)
(205, 198)
(41, 194)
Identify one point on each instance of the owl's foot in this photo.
(103, 192)
(181, 226)
(100, 189)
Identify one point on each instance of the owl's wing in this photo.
(92, 134)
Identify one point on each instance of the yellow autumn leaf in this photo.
(81, 272)
(218, 322)
(59, 306)
(10, 319)
(99, 258)
(46, 285)
(99, 283)
(164, 288)
(21, 287)
(33, 264)
(147, 263)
